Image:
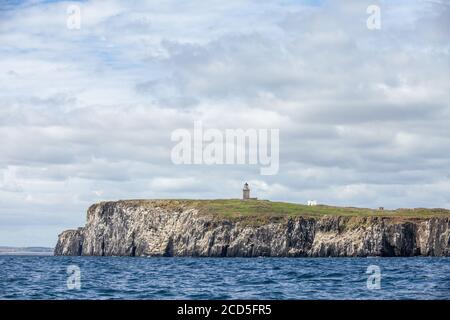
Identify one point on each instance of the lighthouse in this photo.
(246, 192)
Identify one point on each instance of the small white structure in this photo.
(312, 203)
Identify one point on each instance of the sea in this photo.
(49, 277)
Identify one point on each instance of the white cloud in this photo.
(86, 115)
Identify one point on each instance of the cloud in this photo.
(86, 115)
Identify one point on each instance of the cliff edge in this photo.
(235, 228)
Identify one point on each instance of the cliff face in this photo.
(126, 228)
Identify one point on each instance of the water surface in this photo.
(38, 277)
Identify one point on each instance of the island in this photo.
(255, 228)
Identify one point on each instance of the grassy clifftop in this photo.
(230, 208)
(263, 209)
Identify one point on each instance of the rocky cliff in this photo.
(176, 228)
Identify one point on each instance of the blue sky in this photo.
(86, 115)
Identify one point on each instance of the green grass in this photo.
(262, 210)
(235, 208)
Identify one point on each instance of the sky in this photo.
(86, 115)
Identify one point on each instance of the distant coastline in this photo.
(25, 251)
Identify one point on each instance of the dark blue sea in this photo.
(46, 277)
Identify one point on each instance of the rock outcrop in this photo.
(130, 228)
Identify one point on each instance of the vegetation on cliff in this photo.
(263, 210)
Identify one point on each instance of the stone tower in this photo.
(246, 192)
